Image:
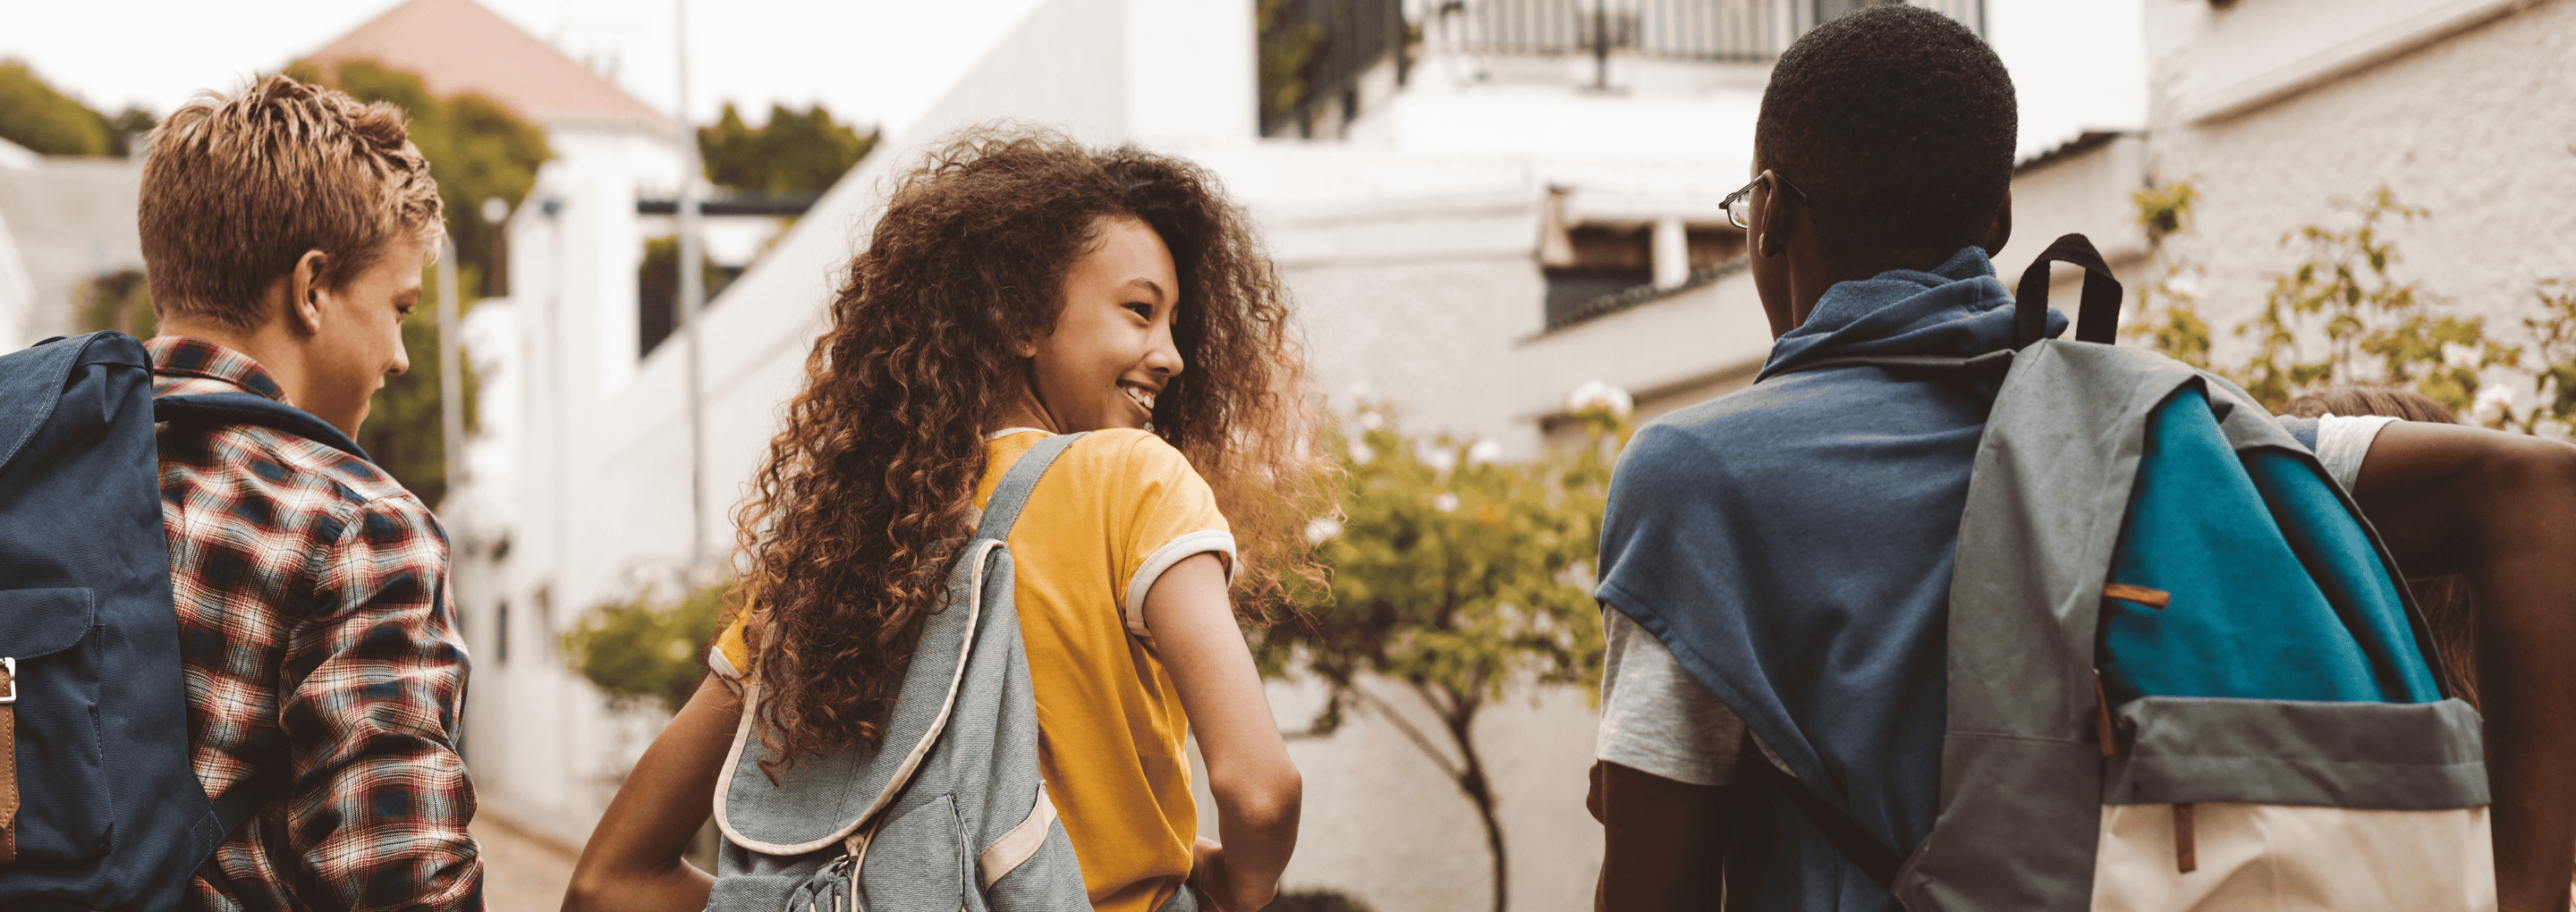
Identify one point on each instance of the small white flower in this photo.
(680, 650)
(2492, 404)
(2554, 430)
(2459, 357)
(1371, 420)
(1594, 394)
(1362, 453)
(2184, 285)
(1484, 451)
(1439, 458)
(1445, 503)
(1322, 529)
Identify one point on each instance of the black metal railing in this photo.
(1313, 53)
(1708, 30)
(1723, 31)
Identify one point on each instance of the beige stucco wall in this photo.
(2476, 125)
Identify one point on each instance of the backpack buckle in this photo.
(9, 670)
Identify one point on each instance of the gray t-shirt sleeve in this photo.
(2342, 442)
(1655, 717)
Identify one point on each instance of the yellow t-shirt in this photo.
(1115, 511)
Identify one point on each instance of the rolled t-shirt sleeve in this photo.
(1171, 515)
(1655, 717)
(2343, 441)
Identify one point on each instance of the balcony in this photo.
(1314, 52)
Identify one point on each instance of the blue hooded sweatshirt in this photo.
(1792, 543)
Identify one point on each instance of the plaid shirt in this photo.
(319, 647)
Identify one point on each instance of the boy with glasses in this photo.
(1776, 563)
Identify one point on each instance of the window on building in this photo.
(657, 290)
(1712, 247)
(501, 633)
(1615, 259)
(1607, 259)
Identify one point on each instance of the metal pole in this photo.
(693, 292)
(1601, 45)
(451, 373)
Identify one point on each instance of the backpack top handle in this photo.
(2099, 318)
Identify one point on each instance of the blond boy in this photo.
(284, 230)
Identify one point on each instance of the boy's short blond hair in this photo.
(236, 189)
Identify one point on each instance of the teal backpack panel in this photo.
(2300, 609)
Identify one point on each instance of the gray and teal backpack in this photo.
(946, 812)
(2183, 673)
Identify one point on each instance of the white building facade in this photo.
(1466, 244)
(2273, 110)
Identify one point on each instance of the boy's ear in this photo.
(2002, 231)
(304, 293)
(1771, 227)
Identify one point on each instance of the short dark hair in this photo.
(1899, 125)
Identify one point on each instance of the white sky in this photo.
(2075, 63)
(867, 60)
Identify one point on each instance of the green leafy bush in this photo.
(2340, 314)
(641, 650)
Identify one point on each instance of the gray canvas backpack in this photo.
(946, 811)
(2182, 672)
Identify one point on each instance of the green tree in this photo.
(477, 150)
(644, 651)
(1453, 575)
(1284, 50)
(40, 117)
(2340, 315)
(117, 300)
(793, 153)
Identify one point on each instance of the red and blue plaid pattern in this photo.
(319, 649)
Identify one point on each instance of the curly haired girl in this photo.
(1020, 285)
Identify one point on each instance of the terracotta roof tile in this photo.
(458, 46)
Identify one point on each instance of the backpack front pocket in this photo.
(2294, 805)
(53, 638)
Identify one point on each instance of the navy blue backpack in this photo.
(99, 808)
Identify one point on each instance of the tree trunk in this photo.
(1471, 779)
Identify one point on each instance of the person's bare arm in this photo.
(633, 862)
(1661, 840)
(2501, 508)
(1256, 786)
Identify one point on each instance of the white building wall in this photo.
(17, 293)
(1410, 250)
(557, 517)
(2459, 107)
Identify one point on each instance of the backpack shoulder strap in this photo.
(1002, 510)
(1857, 845)
(250, 408)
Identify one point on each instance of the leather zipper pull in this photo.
(2102, 719)
(2186, 859)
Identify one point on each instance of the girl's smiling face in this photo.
(1111, 353)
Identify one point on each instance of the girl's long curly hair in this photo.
(867, 490)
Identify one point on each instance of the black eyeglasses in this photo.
(1739, 204)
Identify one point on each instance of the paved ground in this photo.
(521, 873)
